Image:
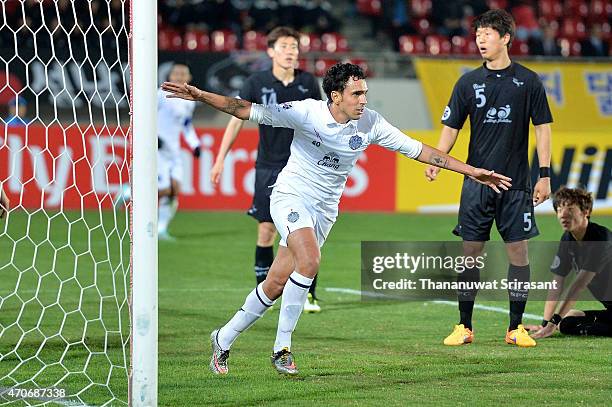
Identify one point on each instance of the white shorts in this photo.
(291, 212)
(168, 168)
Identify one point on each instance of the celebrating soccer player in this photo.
(500, 98)
(283, 83)
(174, 118)
(327, 141)
(591, 262)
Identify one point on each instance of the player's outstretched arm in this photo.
(4, 203)
(448, 137)
(229, 137)
(430, 155)
(239, 108)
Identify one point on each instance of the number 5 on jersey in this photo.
(480, 97)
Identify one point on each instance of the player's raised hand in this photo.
(431, 172)
(541, 191)
(4, 203)
(215, 173)
(491, 179)
(181, 91)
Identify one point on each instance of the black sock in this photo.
(313, 286)
(264, 256)
(517, 295)
(466, 297)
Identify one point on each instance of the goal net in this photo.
(65, 244)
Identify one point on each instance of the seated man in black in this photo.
(586, 248)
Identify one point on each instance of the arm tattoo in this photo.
(438, 160)
(232, 105)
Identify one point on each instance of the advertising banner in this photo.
(58, 168)
(578, 159)
(579, 94)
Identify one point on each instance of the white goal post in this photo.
(78, 260)
(143, 386)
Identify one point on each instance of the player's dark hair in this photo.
(573, 196)
(499, 20)
(338, 75)
(282, 31)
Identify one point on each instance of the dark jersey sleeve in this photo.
(539, 109)
(456, 111)
(248, 91)
(315, 93)
(562, 263)
(599, 257)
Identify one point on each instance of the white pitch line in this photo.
(443, 302)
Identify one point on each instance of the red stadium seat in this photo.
(363, 64)
(310, 42)
(223, 41)
(411, 44)
(570, 47)
(464, 45)
(254, 41)
(519, 48)
(322, 65)
(304, 65)
(169, 40)
(576, 8)
(196, 40)
(420, 8)
(573, 28)
(550, 9)
(495, 4)
(438, 45)
(369, 7)
(333, 42)
(423, 26)
(600, 10)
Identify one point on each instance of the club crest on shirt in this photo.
(355, 142)
(293, 216)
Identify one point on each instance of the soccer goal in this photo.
(78, 261)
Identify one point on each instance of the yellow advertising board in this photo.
(579, 94)
(577, 159)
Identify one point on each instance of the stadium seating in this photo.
(254, 41)
(411, 44)
(437, 45)
(310, 42)
(196, 40)
(333, 42)
(223, 41)
(169, 40)
(421, 8)
(573, 28)
(369, 7)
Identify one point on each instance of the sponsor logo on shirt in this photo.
(330, 160)
(302, 89)
(499, 115)
(355, 142)
(517, 82)
(447, 113)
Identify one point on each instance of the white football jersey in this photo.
(173, 118)
(323, 151)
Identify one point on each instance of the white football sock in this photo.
(292, 304)
(255, 305)
(167, 209)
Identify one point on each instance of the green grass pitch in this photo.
(352, 353)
